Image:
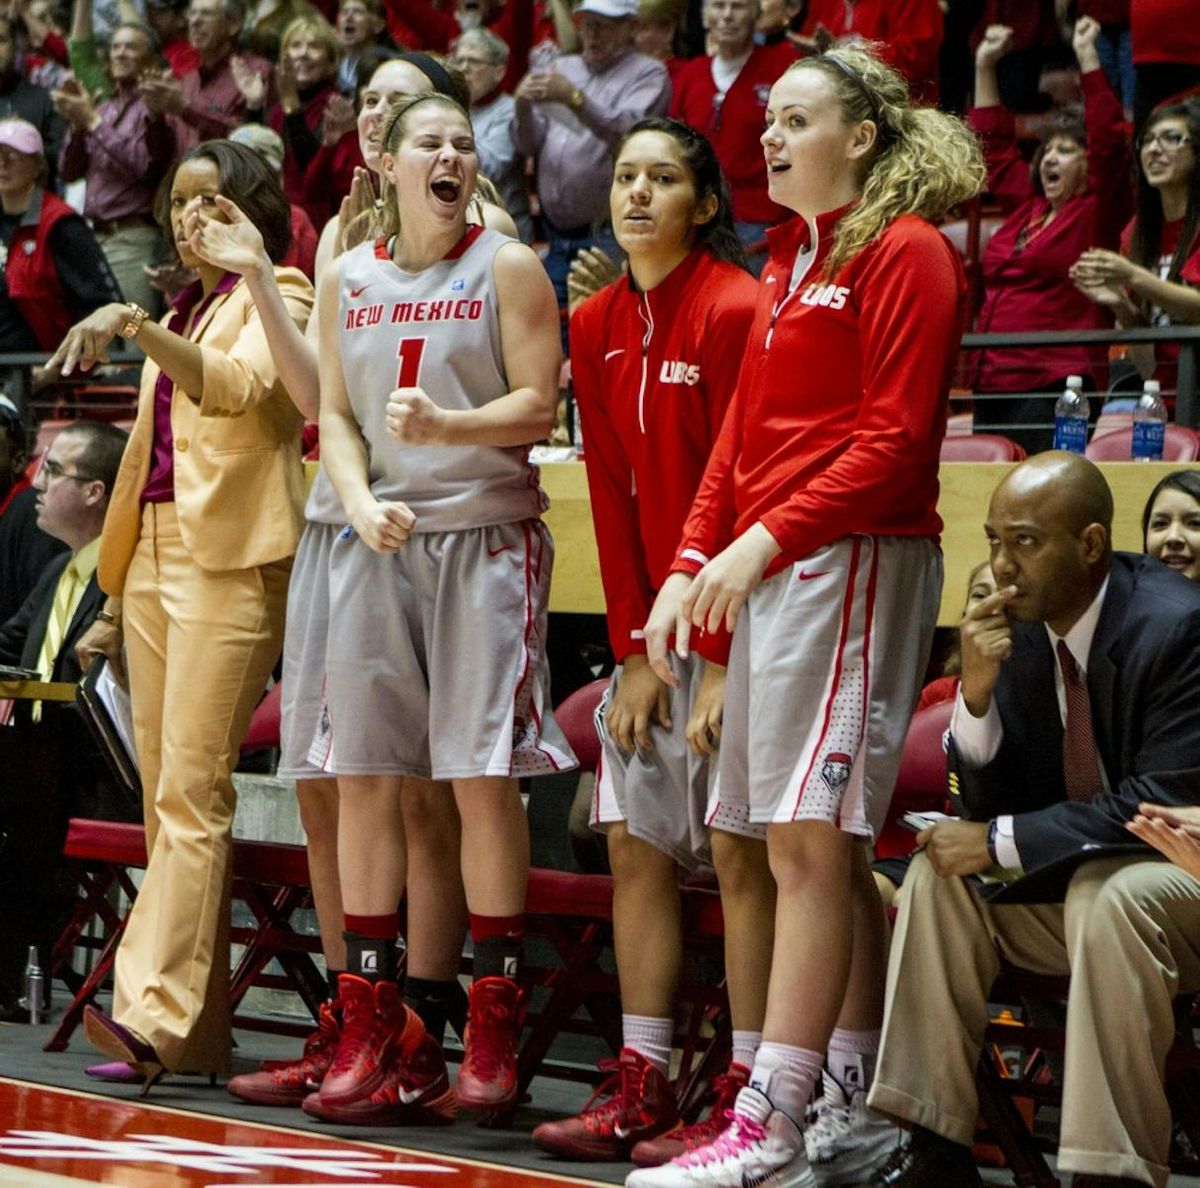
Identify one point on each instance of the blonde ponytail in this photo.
(925, 161)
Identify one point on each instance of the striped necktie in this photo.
(1081, 765)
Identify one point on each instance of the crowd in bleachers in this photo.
(218, 183)
(116, 91)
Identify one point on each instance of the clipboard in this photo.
(104, 706)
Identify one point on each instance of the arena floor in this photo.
(57, 1127)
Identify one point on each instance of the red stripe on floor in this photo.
(98, 1140)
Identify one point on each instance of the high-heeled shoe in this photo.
(114, 1072)
(122, 1043)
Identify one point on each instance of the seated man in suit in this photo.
(49, 768)
(24, 547)
(1080, 699)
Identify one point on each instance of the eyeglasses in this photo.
(1169, 139)
(54, 470)
(469, 63)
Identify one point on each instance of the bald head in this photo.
(1071, 489)
(1050, 530)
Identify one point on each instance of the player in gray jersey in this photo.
(439, 365)
(434, 948)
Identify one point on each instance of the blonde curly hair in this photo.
(924, 161)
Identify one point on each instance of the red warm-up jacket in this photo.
(841, 402)
(653, 375)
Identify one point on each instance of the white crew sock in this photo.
(649, 1037)
(786, 1075)
(852, 1056)
(745, 1047)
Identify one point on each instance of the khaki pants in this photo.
(1129, 935)
(200, 647)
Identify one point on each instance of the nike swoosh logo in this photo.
(808, 577)
(612, 354)
(497, 552)
(621, 1133)
(409, 1096)
(358, 292)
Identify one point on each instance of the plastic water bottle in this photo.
(1149, 425)
(1071, 417)
(35, 987)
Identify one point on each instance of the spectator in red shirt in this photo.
(361, 24)
(1153, 280)
(910, 30)
(1074, 197)
(1166, 52)
(725, 97)
(209, 102)
(168, 18)
(305, 74)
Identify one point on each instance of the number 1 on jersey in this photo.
(409, 352)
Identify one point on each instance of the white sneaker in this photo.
(761, 1148)
(847, 1141)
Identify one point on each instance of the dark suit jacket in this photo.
(1144, 685)
(21, 637)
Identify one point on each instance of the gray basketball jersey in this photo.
(323, 506)
(438, 330)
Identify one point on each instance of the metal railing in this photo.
(1187, 406)
(17, 366)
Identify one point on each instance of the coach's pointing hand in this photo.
(414, 419)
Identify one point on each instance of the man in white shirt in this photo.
(1080, 697)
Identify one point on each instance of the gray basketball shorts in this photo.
(436, 663)
(661, 794)
(824, 674)
(304, 643)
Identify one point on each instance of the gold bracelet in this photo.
(137, 315)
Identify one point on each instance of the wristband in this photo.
(993, 830)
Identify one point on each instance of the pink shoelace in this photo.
(741, 1133)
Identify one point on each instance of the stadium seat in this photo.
(921, 780)
(263, 731)
(576, 717)
(980, 447)
(1180, 445)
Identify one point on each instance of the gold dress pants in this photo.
(200, 646)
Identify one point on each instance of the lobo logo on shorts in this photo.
(835, 771)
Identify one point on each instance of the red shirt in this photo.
(841, 402)
(734, 127)
(1029, 287)
(911, 32)
(653, 374)
(1164, 31)
(425, 27)
(303, 252)
(1166, 354)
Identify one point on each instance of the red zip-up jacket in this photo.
(1029, 288)
(653, 374)
(841, 401)
(734, 129)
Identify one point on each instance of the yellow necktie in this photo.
(61, 611)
